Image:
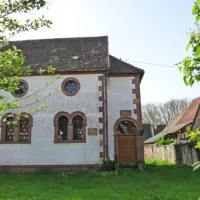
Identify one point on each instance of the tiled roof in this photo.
(191, 111)
(179, 121)
(92, 53)
(118, 66)
(74, 54)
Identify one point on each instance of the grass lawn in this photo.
(160, 180)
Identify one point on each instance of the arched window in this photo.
(69, 128)
(125, 126)
(77, 127)
(79, 123)
(25, 126)
(9, 128)
(15, 130)
(63, 126)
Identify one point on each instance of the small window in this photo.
(70, 86)
(63, 125)
(23, 88)
(77, 128)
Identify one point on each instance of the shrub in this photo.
(162, 141)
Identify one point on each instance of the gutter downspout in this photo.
(105, 119)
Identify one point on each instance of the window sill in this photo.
(14, 142)
(69, 141)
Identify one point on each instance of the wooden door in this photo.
(126, 148)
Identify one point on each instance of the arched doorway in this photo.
(125, 130)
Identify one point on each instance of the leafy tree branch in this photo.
(12, 62)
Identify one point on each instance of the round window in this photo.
(70, 86)
(23, 87)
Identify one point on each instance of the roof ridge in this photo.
(59, 38)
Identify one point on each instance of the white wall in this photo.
(120, 97)
(42, 150)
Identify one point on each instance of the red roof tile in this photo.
(190, 112)
(179, 121)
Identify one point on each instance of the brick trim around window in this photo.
(70, 127)
(25, 90)
(64, 84)
(17, 136)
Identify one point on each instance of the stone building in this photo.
(97, 114)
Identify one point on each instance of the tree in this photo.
(163, 113)
(151, 114)
(12, 63)
(190, 66)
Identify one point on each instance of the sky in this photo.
(138, 30)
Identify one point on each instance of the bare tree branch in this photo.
(163, 113)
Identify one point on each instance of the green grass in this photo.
(160, 180)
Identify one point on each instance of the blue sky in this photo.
(139, 30)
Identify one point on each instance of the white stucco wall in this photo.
(120, 97)
(42, 150)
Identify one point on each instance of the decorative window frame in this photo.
(16, 130)
(65, 82)
(70, 127)
(24, 93)
(130, 119)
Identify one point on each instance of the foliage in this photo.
(124, 184)
(190, 66)
(163, 113)
(194, 136)
(164, 141)
(158, 162)
(12, 63)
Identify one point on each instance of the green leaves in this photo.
(188, 46)
(194, 9)
(190, 81)
(187, 61)
(197, 53)
(41, 71)
(51, 69)
(187, 80)
(198, 145)
(190, 66)
(194, 136)
(197, 18)
(12, 64)
(196, 166)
